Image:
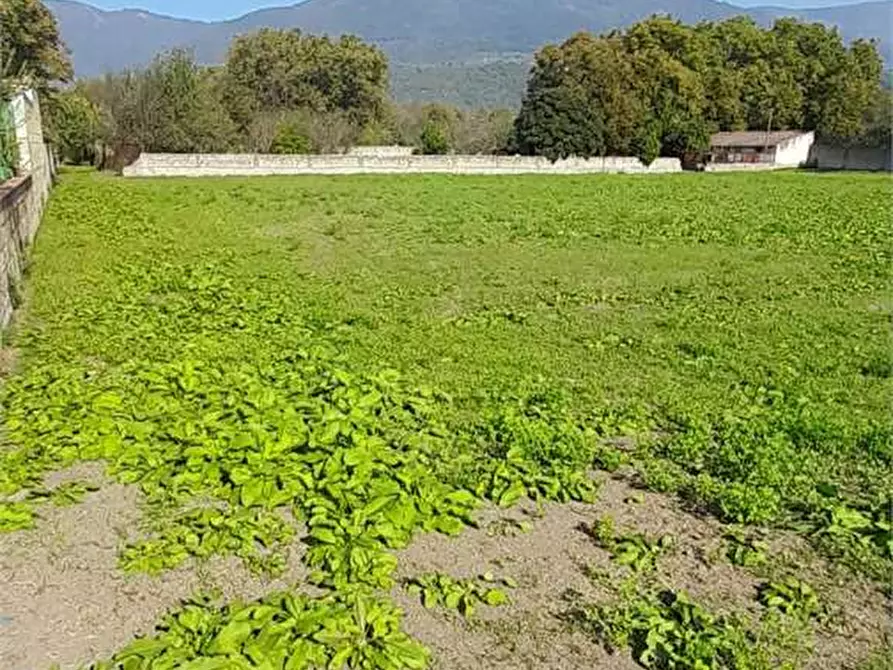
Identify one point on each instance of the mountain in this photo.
(417, 35)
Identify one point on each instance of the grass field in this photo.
(383, 356)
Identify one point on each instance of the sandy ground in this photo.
(63, 599)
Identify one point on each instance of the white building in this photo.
(758, 148)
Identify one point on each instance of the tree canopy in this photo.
(661, 87)
(31, 51)
(284, 69)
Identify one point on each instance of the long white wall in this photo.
(203, 165)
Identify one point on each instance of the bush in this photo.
(290, 140)
(434, 140)
(73, 126)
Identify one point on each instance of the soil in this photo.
(63, 599)
(8, 360)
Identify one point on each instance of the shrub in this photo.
(290, 140)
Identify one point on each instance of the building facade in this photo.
(756, 148)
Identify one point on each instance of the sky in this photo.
(218, 10)
(203, 10)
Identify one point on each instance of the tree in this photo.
(661, 87)
(557, 123)
(439, 124)
(31, 51)
(286, 70)
(483, 131)
(433, 139)
(172, 106)
(290, 140)
(73, 125)
(853, 99)
(559, 116)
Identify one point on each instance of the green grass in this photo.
(232, 339)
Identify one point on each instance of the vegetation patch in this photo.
(348, 629)
(460, 594)
(667, 630)
(259, 389)
(635, 550)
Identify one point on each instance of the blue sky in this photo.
(205, 10)
(216, 10)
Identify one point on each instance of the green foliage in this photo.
(290, 140)
(286, 70)
(632, 549)
(791, 596)
(31, 52)
(745, 551)
(862, 534)
(433, 139)
(279, 91)
(560, 117)
(73, 126)
(464, 595)
(352, 629)
(9, 148)
(238, 367)
(439, 128)
(15, 516)
(173, 105)
(757, 462)
(660, 87)
(668, 631)
(535, 449)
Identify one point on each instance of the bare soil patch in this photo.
(63, 598)
(549, 564)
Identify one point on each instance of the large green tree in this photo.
(31, 51)
(661, 87)
(174, 105)
(73, 126)
(274, 70)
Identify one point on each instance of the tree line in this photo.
(657, 88)
(278, 92)
(662, 87)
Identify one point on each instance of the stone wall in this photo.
(381, 151)
(743, 167)
(203, 165)
(830, 157)
(22, 200)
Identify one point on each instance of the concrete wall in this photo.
(22, 200)
(742, 167)
(794, 152)
(830, 157)
(380, 151)
(202, 165)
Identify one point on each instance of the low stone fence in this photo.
(204, 165)
(744, 167)
(385, 151)
(21, 205)
(22, 201)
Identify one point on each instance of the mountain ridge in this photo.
(412, 33)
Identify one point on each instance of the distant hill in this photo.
(431, 44)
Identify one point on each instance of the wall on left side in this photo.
(22, 200)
